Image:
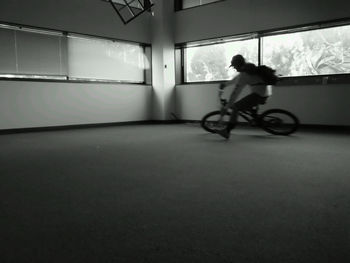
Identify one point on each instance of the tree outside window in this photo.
(314, 52)
(211, 62)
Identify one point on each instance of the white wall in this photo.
(39, 104)
(314, 104)
(320, 105)
(163, 71)
(232, 17)
(93, 17)
(25, 104)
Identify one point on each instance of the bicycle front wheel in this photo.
(279, 122)
(212, 122)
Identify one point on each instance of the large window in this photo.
(40, 54)
(304, 52)
(32, 52)
(315, 52)
(101, 59)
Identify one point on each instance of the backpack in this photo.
(267, 74)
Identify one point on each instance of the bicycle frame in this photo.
(275, 121)
(249, 116)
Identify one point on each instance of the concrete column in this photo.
(163, 59)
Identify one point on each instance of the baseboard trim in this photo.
(81, 126)
(335, 128)
(323, 127)
(301, 126)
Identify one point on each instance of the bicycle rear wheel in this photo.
(279, 122)
(211, 122)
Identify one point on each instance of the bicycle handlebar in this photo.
(221, 92)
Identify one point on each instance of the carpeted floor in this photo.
(174, 193)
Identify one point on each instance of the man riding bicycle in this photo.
(258, 78)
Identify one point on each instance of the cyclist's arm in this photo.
(231, 82)
(237, 84)
(234, 95)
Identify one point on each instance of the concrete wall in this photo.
(314, 104)
(25, 104)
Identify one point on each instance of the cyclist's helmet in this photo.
(237, 61)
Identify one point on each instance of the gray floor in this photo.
(174, 193)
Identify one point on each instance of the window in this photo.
(102, 59)
(27, 52)
(315, 52)
(211, 62)
(321, 51)
(40, 54)
(184, 4)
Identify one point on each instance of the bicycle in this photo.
(274, 121)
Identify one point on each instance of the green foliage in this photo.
(315, 52)
(212, 62)
(208, 64)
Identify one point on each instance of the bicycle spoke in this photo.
(216, 122)
(279, 122)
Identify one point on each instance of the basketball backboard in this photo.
(128, 10)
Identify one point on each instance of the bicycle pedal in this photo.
(253, 123)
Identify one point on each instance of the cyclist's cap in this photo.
(237, 61)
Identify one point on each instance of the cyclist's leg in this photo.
(246, 103)
(233, 118)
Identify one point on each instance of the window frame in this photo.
(201, 43)
(66, 78)
(341, 78)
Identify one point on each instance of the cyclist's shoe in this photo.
(224, 133)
